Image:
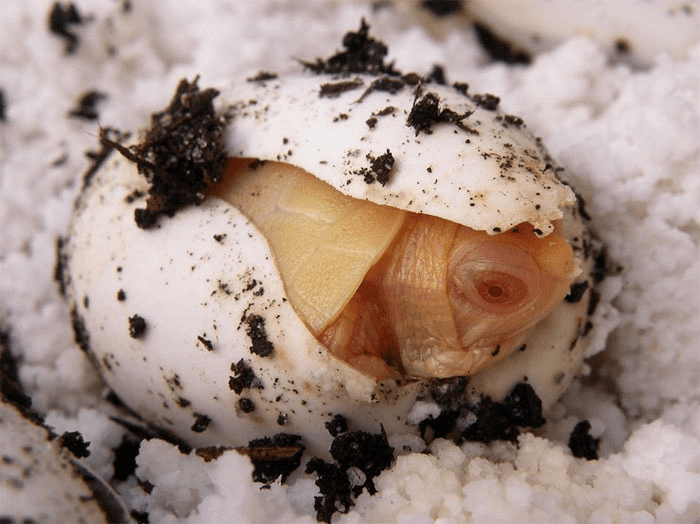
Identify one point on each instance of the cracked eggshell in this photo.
(221, 356)
(487, 174)
(196, 281)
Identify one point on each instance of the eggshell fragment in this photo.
(454, 156)
(189, 322)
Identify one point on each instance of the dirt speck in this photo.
(362, 54)
(137, 326)
(86, 107)
(261, 346)
(60, 21)
(581, 444)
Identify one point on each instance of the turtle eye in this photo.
(494, 279)
(500, 289)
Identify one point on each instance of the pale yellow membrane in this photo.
(324, 242)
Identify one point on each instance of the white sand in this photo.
(629, 139)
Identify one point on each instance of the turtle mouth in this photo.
(393, 293)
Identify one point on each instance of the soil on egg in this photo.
(181, 154)
(482, 420)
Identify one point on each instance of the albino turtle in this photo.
(393, 292)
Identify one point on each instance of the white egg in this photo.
(41, 482)
(193, 324)
(638, 30)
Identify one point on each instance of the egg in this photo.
(635, 30)
(43, 482)
(370, 245)
(639, 30)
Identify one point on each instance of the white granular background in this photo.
(629, 138)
